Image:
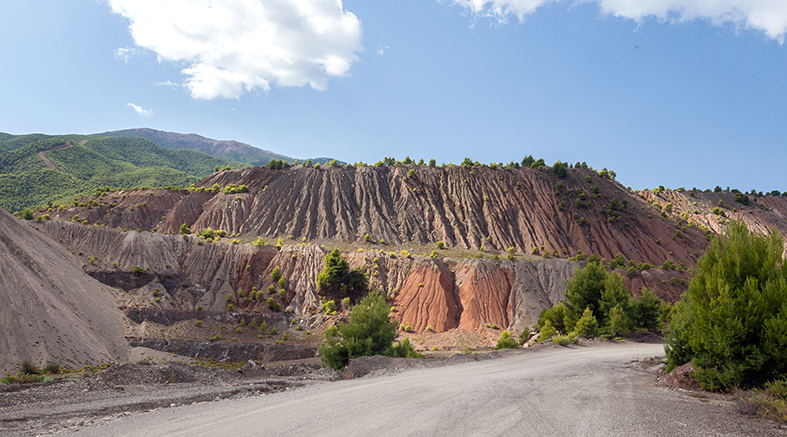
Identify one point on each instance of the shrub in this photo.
(731, 323)
(273, 331)
(565, 340)
(273, 305)
(230, 307)
(370, 332)
(619, 323)
(555, 316)
(198, 323)
(506, 341)
(137, 270)
(337, 277)
(547, 331)
(646, 311)
(440, 245)
(276, 274)
(587, 325)
(52, 368)
(560, 169)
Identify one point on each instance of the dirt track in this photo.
(598, 391)
(48, 161)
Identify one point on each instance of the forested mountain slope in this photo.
(58, 169)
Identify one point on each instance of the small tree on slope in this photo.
(370, 332)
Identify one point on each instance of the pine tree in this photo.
(732, 322)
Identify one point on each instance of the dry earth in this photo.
(599, 389)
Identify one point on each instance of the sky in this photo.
(680, 93)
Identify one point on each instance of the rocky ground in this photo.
(152, 383)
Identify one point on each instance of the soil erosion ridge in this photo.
(49, 309)
(512, 239)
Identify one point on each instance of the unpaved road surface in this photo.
(588, 391)
(48, 161)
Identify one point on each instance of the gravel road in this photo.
(593, 391)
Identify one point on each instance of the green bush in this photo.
(440, 245)
(273, 305)
(555, 316)
(732, 322)
(370, 332)
(587, 325)
(336, 277)
(276, 274)
(52, 368)
(560, 169)
(565, 340)
(184, 229)
(547, 331)
(137, 270)
(506, 341)
(618, 323)
(646, 311)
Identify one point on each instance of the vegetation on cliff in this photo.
(337, 278)
(370, 332)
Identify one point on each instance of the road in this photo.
(578, 391)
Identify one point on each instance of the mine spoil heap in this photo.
(511, 238)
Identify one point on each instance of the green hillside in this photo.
(26, 182)
(228, 150)
(223, 149)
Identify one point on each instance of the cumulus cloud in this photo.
(140, 110)
(234, 46)
(768, 16)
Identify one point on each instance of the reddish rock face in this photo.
(427, 299)
(484, 292)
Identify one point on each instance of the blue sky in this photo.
(665, 92)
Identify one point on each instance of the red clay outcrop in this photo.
(426, 299)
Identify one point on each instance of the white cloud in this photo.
(140, 110)
(123, 53)
(167, 83)
(235, 46)
(768, 16)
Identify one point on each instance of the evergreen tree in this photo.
(587, 325)
(370, 332)
(336, 277)
(732, 321)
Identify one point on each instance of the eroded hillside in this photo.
(511, 240)
(49, 309)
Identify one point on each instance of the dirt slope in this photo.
(528, 210)
(49, 308)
